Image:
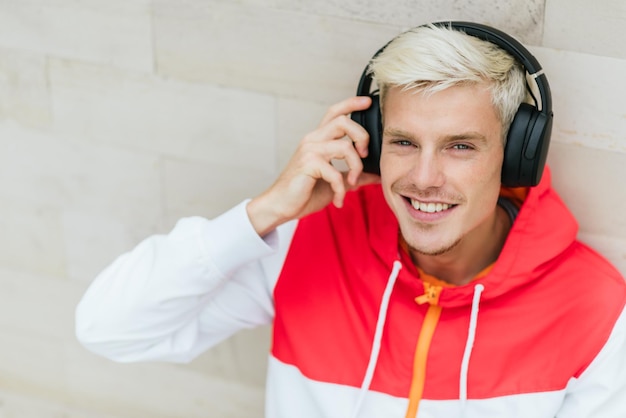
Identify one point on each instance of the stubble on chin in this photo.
(433, 251)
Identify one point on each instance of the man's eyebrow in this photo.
(397, 133)
(469, 135)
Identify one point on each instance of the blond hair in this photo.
(432, 58)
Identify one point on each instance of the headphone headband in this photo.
(513, 47)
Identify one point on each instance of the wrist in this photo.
(263, 215)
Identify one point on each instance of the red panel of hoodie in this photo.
(548, 305)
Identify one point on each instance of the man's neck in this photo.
(463, 262)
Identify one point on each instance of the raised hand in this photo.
(309, 182)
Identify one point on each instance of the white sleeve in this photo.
(600, 391)
(174, 296)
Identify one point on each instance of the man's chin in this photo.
(431, 249)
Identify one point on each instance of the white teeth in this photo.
(429, 207)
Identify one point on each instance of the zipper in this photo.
(430, 296)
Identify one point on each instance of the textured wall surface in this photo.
(119, 117)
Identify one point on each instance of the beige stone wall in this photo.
(119, 117)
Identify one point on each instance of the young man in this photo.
(434, 292)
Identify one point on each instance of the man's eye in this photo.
(461, 147)
(402, 142)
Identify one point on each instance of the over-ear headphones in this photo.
(528, 138)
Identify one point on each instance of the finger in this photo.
(355, 167)
(343, 149)
(331, 150)
(345, 126)
(346, 107)
(335, 179)
(338, 128)
(329, 176)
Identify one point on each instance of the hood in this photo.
(543, 230)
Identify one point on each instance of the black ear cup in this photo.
(526, 147)
(370, 119)
(528, 139)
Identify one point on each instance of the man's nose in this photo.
(427, 171)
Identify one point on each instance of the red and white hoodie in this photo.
(358, 333)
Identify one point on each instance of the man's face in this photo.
(440, 166)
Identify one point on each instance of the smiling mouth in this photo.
(430, 207)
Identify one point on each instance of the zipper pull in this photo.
(430, 296)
